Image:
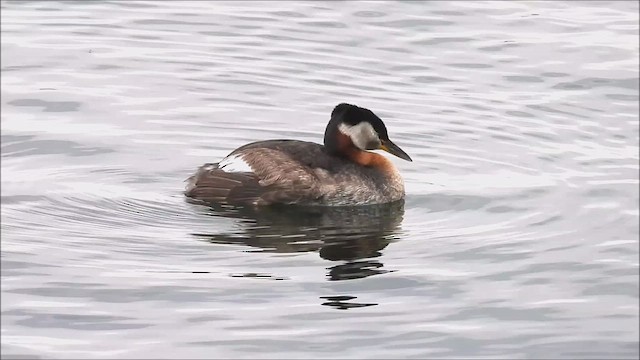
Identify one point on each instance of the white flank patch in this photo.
(234, 163)
(360, 134)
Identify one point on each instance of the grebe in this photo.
(339, 173)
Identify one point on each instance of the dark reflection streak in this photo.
(340, 302)
(338, 233)
(355, 270)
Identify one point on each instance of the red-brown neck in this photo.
(364, 158)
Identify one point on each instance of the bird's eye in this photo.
(373, 144)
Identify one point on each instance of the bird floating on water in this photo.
(342, 172)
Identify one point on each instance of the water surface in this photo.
(518, 237)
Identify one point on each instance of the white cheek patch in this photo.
(234, 163)
(360, 134)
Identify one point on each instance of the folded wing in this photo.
(257, 176)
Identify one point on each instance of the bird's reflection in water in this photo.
(340, 302)
(353, 236)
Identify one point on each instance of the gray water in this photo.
(518, 237)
